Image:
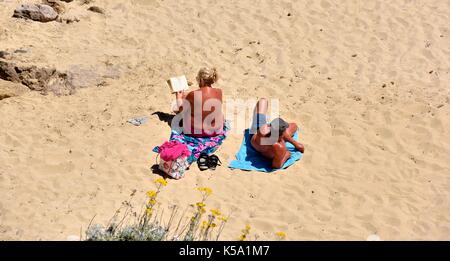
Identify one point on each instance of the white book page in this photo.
(178, 83)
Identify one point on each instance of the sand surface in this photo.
(366, 81)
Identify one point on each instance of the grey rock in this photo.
(21, 50)
(3, 54)
(56, 5)
(36, 12)
(96, 9)
(81, 77)
(8, 72)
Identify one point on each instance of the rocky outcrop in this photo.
(11, 89)
(49, 80)
(36, 12)
(43, 80)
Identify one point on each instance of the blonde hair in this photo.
(207, 75)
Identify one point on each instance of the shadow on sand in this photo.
(165, 117)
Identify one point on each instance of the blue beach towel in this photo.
(247, 158)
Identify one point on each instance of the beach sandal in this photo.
(213, 162)
(202, 161)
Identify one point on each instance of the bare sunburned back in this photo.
(205, 115)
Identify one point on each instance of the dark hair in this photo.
(278, 125)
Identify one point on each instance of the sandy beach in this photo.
(366, 81)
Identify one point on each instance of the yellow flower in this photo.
(200, 204)
(213, 225)
(207, 191)
(204, 224)
(149, 211)
(281, 235)
(222, 218)
(161, 181)
(245, 232)
(152, 202)
(215, 212)
(151, 193)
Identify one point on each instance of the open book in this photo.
(178, 83)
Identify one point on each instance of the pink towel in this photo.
(172, 150)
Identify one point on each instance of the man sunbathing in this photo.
(202, 108)
(270, 139)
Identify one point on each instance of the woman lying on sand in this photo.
(202, 108)
(270, 139)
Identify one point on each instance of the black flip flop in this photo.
(213, 162)
(202, 161)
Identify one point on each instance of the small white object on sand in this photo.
(373, 237)
(73, 238)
